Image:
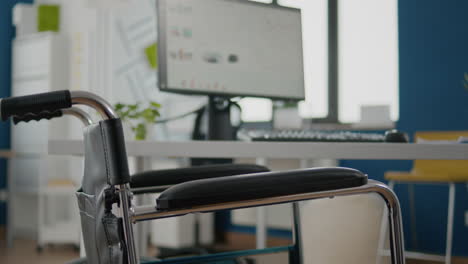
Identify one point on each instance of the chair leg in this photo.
(413, 227)
(383, 229)
(451, 209)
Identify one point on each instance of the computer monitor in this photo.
(229, 48)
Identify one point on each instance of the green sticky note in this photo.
(152, 55)
(48, 18)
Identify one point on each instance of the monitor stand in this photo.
(219, 119)
(219, 128)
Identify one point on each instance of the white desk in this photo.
(286, 150)
(290, 150)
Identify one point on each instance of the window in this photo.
(315, 45)
(367, 62)
(368, 57)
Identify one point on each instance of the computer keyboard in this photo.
(320, 136)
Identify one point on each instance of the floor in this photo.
(455, 260)
(24, 251)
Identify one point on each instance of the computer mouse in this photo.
(395, 136)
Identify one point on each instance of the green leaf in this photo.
(156, 113)
(140, 132)
(155, 105)
(119, 106)
(133, 107)
(148, 115)
(152, 55)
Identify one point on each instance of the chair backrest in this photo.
(450, 168)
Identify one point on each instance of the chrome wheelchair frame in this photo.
(109, 238)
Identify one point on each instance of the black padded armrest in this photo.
(257, 186)
(164, 178)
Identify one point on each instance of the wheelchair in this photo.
(106, 197)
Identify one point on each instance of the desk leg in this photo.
(10, 230)
(261, 227)
(451, 209)
(141, 228)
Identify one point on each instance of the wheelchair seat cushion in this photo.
(257, 186)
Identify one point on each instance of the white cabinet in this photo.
(40, 64)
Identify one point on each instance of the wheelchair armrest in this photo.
(258, 186)
(158, 180)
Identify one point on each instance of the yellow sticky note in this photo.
(48, 18)
(152, 55)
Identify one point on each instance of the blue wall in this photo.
(6, 35)
(433, 42)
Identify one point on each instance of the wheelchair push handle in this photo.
(37, 117)
(35, 107)
(72, 111)
(51, 105)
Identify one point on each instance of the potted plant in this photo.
(138, 118)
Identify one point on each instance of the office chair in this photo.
(434, 171)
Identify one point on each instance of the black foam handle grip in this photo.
(37, 117)
(35, 104)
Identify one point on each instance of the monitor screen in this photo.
(230, 47)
